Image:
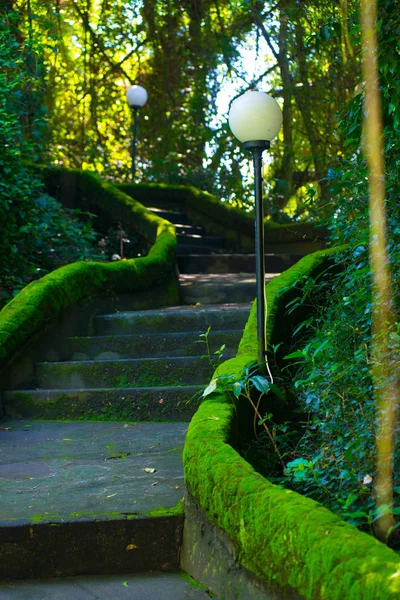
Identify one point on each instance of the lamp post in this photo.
(136, 97)
(255, 119)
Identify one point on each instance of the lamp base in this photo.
(257, 145)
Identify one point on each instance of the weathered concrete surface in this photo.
(153, 586)
(126, 372)
(173, 403)
(233, 263)
(55, 468)
(174, 319)
(89, 498)
(151, 344)
(209, 556)
(212, 288)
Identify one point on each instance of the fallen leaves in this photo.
(149, 470)
(130, 547)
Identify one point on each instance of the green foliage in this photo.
(330, 362)
(38, 234)
(185, 53)
(213, 357)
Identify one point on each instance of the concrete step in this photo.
(177, 218)
(156, 345)
(211, 288)
(123, 373)
(76, 498)
(189, 229)
(233, 263)
(201, 240)
(174, 319)
(144, 586)
(173, 403)
(184, 250)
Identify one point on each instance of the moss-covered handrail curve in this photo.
(291, 542)
(234, 221)
(29, 312)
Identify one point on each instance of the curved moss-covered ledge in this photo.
(233, 220)
(29, 312)
(290, 542)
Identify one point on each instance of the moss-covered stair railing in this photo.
(229, 221)
(41, 303)
(293, 545)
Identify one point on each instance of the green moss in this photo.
(109, 405)
(282, 537)
(174, 511)
(27, 314)
(237, 224)
(193, 582)
(36, 519)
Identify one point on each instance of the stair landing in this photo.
(89, 497)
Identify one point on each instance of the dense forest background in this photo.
(66, 66)
(80, 56)
(64, 69)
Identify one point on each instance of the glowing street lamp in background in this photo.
(136, 97)
(255, 119)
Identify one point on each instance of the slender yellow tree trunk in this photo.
(385, 376)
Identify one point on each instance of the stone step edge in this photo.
(231, 308)
(153, 335)
(70, 363)
(97, 544)
(58, 391)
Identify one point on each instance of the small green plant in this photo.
(253, 387)
(213, 357)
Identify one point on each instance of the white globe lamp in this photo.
(255, 120)
(136, 97)
(255, 116)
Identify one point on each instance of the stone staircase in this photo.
(140, 365)
(211, 270)
(89, 485)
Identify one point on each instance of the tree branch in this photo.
(115, 67)
(262, 28)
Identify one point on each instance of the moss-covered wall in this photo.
(27, 316)
(289, 541)
(227, 220)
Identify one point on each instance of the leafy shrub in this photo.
(333, 461)
(37, 233)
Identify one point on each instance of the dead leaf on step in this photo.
(130, 547)
(154, 483)
(177, 487)
(147, 470)
(5, 428)
(161, 401)
(68, 440)
(111, 495)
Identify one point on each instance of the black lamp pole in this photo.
(133, 169)
(257, 147)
